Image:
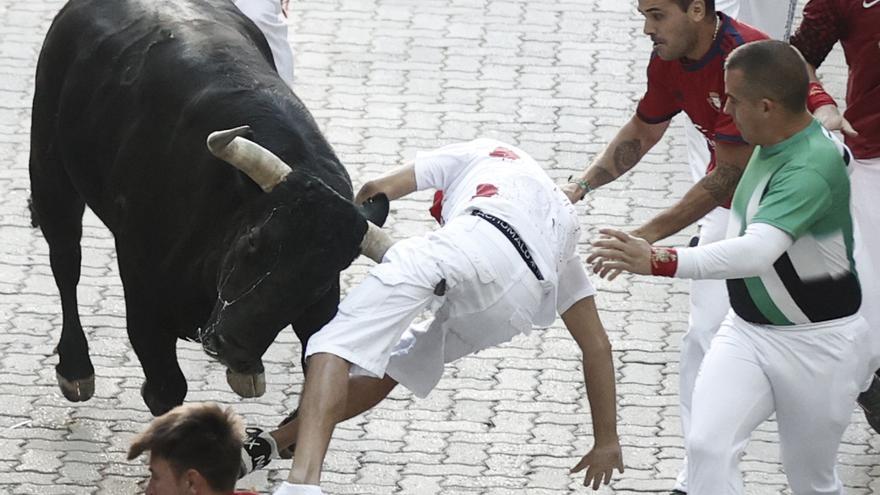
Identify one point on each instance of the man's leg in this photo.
(364, 392)
(816, 374)
(267, 15)
(322, 406)
(865, 181)
(731, 398)
(772, 17)
(708, 307)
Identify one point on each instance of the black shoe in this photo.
(677, 492)
(869, 401)
(287, 453)
(257, 451)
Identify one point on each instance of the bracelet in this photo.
(664, 261)
(581, 183)
(817, 97)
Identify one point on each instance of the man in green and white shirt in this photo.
(794, 342)
(814, 280)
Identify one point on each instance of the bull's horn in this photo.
(260, 164)
(375, 243)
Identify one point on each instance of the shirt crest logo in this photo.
(715, 100)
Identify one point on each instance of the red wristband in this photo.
(817, 97)
(664, 261)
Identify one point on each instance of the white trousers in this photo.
(267, 15)
(709, 304)
(865, 184)
(809, 375)
(491, 296)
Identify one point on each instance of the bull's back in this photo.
(119, 84)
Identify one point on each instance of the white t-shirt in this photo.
(504, 181)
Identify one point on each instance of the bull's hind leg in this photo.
(59, 209)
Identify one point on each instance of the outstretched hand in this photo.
(830, 118)
(600, 463)
(617, 251)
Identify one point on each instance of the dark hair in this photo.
(774, 70)
(203, 437)
(685, 4)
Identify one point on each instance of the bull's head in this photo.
(287, 255)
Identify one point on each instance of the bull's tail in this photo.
(35, 219)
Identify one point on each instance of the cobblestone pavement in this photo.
(385, 78)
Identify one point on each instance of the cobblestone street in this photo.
(385, 78)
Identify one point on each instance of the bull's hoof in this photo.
(159, 403)
(246, 385)
(79, 390)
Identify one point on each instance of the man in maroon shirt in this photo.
(856, 24)
(686, 73)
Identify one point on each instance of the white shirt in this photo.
(504, 181)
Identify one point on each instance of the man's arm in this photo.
(820, 29)
(713, 190)
(394, 184)
(582, 321)
(748, 255)
(828, 114)
(627, 148)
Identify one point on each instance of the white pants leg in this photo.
(731, 398)
(267, 15)
(865, 183)
(809, 374)
(774, 17)
(709, 305)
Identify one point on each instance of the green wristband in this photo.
(581, 183)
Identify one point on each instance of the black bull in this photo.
(127, 92)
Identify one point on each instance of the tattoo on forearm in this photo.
(601, 177)
(721, 182)
(626, 155)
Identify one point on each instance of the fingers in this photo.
(609, 268)
(585, 461)
(595, 478)
(848, 129)
(617, 234)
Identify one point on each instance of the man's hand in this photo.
(574, 192)
(830, 118)
(618, 251)
(600, 463)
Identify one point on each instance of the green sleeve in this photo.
(794, 201)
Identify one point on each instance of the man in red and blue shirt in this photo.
(854, 23)
(685, 74)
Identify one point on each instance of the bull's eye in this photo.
(253, 240)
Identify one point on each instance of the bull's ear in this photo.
(375, 209)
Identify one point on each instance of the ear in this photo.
(193, 481)
(697, 10)
(375, 209)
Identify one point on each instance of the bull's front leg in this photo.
(164, 386)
